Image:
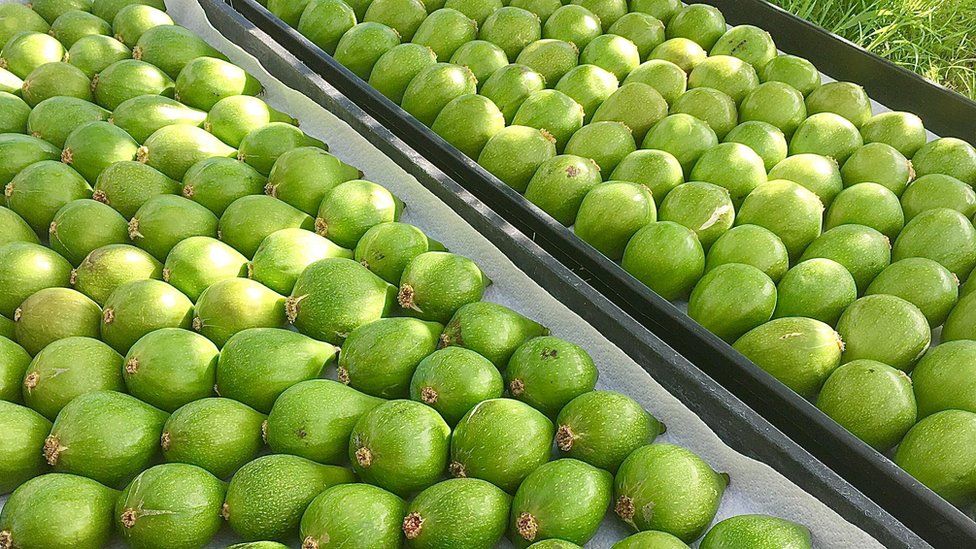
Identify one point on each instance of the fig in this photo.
(132, 21)
(549, 57)
(258, 364)
(40, 190)
(25, 268)
(434, 285)
(394, 70)
(400, 446)
(314, 419)
(560, 185)
(464, 512)
(127, 79)
(171, 47)
(247, 221)
(108, 267)
(898, 335)
(844, 98)
(14, 361)
(765, 139)
(23, 436)
(141, 306)
(665, 256)
(387, 248)
(903, 131)
(141, 116)
(603, 427)
(262, 146)
(324, 22)
(94, 53)
(302, 177)
(922, 282)
(361, 515)
(704, 208)
(380, 358)
(701, 23)
(20, 151)
(468, 122)
(767, 205)
(127, 185)
(170, 367)
(361, 47)
(206, 80)
(682, 135)
(636, 105)
(732, 299)
(436, 86)
(751, 245)
(217, 434)
(106, 436)
(52, 314)
(25, 51)
(174, 149)
(454, 380)
(792, 70)
(284, 254)
(493, 331)
(94, 147)
(548, 372)
(611, 213)
(949, 433)
(573, 23)
(553, 112)
(818, 174)
(266, 498)
(659, 171)
(82, 226)
(349, 209)
(231, 305)
(502, 441)
(232, 118)
(758, 531)
(198, 262)
(165, 220)
(667, 78)
(738, 80)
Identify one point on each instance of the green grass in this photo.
(935, 38)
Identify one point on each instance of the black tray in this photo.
(609, 294)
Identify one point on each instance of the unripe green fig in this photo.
(515, 153)
(752, 245)
(247, 221)
(14, 114)
(108, 9)
(603, 427)
(141, 116)
(40, 190)
(800, 352)
(482, 57)
(132, 21)
(361, 47)
(52, 314)
(884, 328)
(665, 256)
(795, 71)
(217, 434)
(635, 104)
(284, 254)
(73, 25)
(403, 16)
(262, 146)
(758, 531)
(170, 367)
(106, 268)
(106, 436)
(217, 182)
(380, 358)
(766, 140)
(266, 498)
(22, 436)
(198, 262)
(174, 149)
(949, 433)
(127, 79)
(232, 305)
(94, 53)
(819, 174)
(468, 122)
(94, 147)
(302, 177)
(491, 330)
(436, 284)
(454, 380)
(351, 208)
(458, 512)
(172, 47)
(258, 364)
(136, 308)
(682, 135)
(606, 143)
(77, 513)
(26, 50)
(683, 490)
(732, 299)
(817, 288)
(232, 118)
(400, 445)
(863, 251)
(826, 134)
(361, 515)
(19, 151)
(81, 226)
(175, 501)
(25, 268)
(127, 185)
(732, 166)
(324, 22)
(575, 24)
(552, 111)
(206, 80)
(872, 400)
(68, 368)
(564, 499)
(394, 70)
(14, 361)
(501, 441)
(659, 171)
(53, 79)
(387, 248)
(766, 207)
(560, 185)
(166, 220)
(512, 29)
(434, 87)
(314, 419)
(547, 373)
(13, 228)
(36, 17)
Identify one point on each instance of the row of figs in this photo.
(181, 270)
(823, 241)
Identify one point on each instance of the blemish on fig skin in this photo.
(342, 374)
(364, 457)
(516, 387)
(128, 518)
(527, 526)
(132, 366)
(6, 541)
(428, 395)
(413, 523)
(52, 449)
(310, 543)
(572, 171)
(264, 431)
(457, 470)
(565, 438)
(30, 381)
(549, 353)
(225, 511)
(164, 441)
(108, 315)
(624, 508)
(321, 227)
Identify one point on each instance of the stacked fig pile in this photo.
(822, 240)
(180, 266)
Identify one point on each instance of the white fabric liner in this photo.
(755, 487)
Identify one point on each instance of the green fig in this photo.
(760, 531)
(127, 185)
(394, 70)
(172, 47)
(387, 248)
(217, 434)
(232, 305)
(136, 308)
(94, 53)
(14, 361)
(284, 254)
(217, 182)
(174, 149)
(206, 80)
(40, 190)
(127, 79)
(232, 118)
(247, 221)
(258, 364)
(23, 436)
(553, 112)
(26, 267)
(436, 86)
(302, 177)
(106, 268)
(92, 148)
(360, 515)
(493, 331)
(83, 225)
(548, 372)
(385, 370)
(19, 151)
(68, 368)
(324, 22)
(465, 512)
(445, 30)
(884, 328)
(132, 21)
(107, 436)
(52, 314)
(262, 146)
(141, 116)
(170, 367)
(362, 46)
(26, 50)
(454, 380)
